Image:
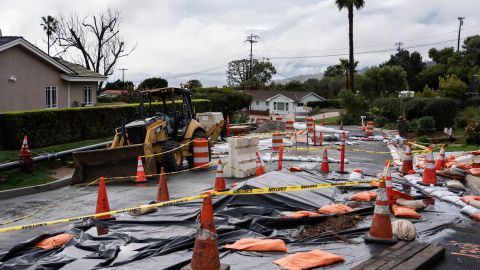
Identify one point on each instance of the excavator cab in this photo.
(162, 138)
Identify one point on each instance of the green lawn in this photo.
(335, 119)
(10, 155)
(458, 148)
(42, 173)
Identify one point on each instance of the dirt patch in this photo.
(270, 126)
(62, 172)
(333, 224)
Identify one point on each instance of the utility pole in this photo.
(460, 19)
(399, 46)
(123, 73)
(252, 39)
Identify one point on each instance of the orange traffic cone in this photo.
(259, 170)
(205, 250)
(407, 163)
(26, 155)
(440, 164)
(162, 193)
(102, 200)
(381, 228)
(324, 168)
(429, 173)
(141, 179)
(219, 180)
(388, 184)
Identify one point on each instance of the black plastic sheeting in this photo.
(164, 239)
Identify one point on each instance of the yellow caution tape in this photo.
(168, 151)
(186, 199)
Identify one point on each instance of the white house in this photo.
(269, 103)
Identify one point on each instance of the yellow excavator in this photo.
(163, 139)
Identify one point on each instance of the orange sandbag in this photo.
(54, 241)
(405, 212)
(308, 260)
(364, 196)
(468, 198)
(464, 166)
(398, 194)
(374, 184)
(253, 244)
(450, 161)
(474, 171)
(302, 214)
(336, 208)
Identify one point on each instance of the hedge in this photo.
(328, 103)
(57, 126)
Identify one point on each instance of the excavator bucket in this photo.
(110, 162)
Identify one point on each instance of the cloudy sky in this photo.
(188, 39)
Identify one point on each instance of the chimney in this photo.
(1, 33)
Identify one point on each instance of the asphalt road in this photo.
(83, 201)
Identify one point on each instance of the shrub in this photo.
(426, 123)
(424, 139)
(49, 127)
(414, 107)
(443, 111)
(471, 113)
(412, 126)
(472, 133)
(329, 103)
(225, 100)
(381, 121)
(427, 92)
(451, 86)
(355, 105)
(390, 108)
(349, 119)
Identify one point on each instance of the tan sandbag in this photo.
(54, 241)
(455, 184)
(474, 171)
(415, 204)
(253, 244)
(474, 203)
(336, 208)
(404, 230)
(308, 260)
(405, 212)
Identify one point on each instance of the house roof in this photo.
(71, 71)
(268, 94)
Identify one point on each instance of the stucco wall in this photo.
(309, 98)
(32, 76)
(281, 98)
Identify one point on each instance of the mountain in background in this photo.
(301, 78)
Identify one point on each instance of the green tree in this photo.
(193, 84)
(427, 92)
(350, 5)
(153, 83)
(412, 63)
(119, 85)
(451, 86)
(226, 100)
(383, 81)
(238, 72)
(50, 26)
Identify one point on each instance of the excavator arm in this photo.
(214, 132)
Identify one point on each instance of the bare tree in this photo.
(93, 41)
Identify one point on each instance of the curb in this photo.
(17, 192)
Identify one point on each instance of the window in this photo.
(300, 104)
(87, 95)
(51, 97)
(257, 102)
(280, 106)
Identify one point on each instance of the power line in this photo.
(364, 52)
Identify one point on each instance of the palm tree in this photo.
(345, 67)
(50, 26)
(349, 5)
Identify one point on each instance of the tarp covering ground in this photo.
(164, 239)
